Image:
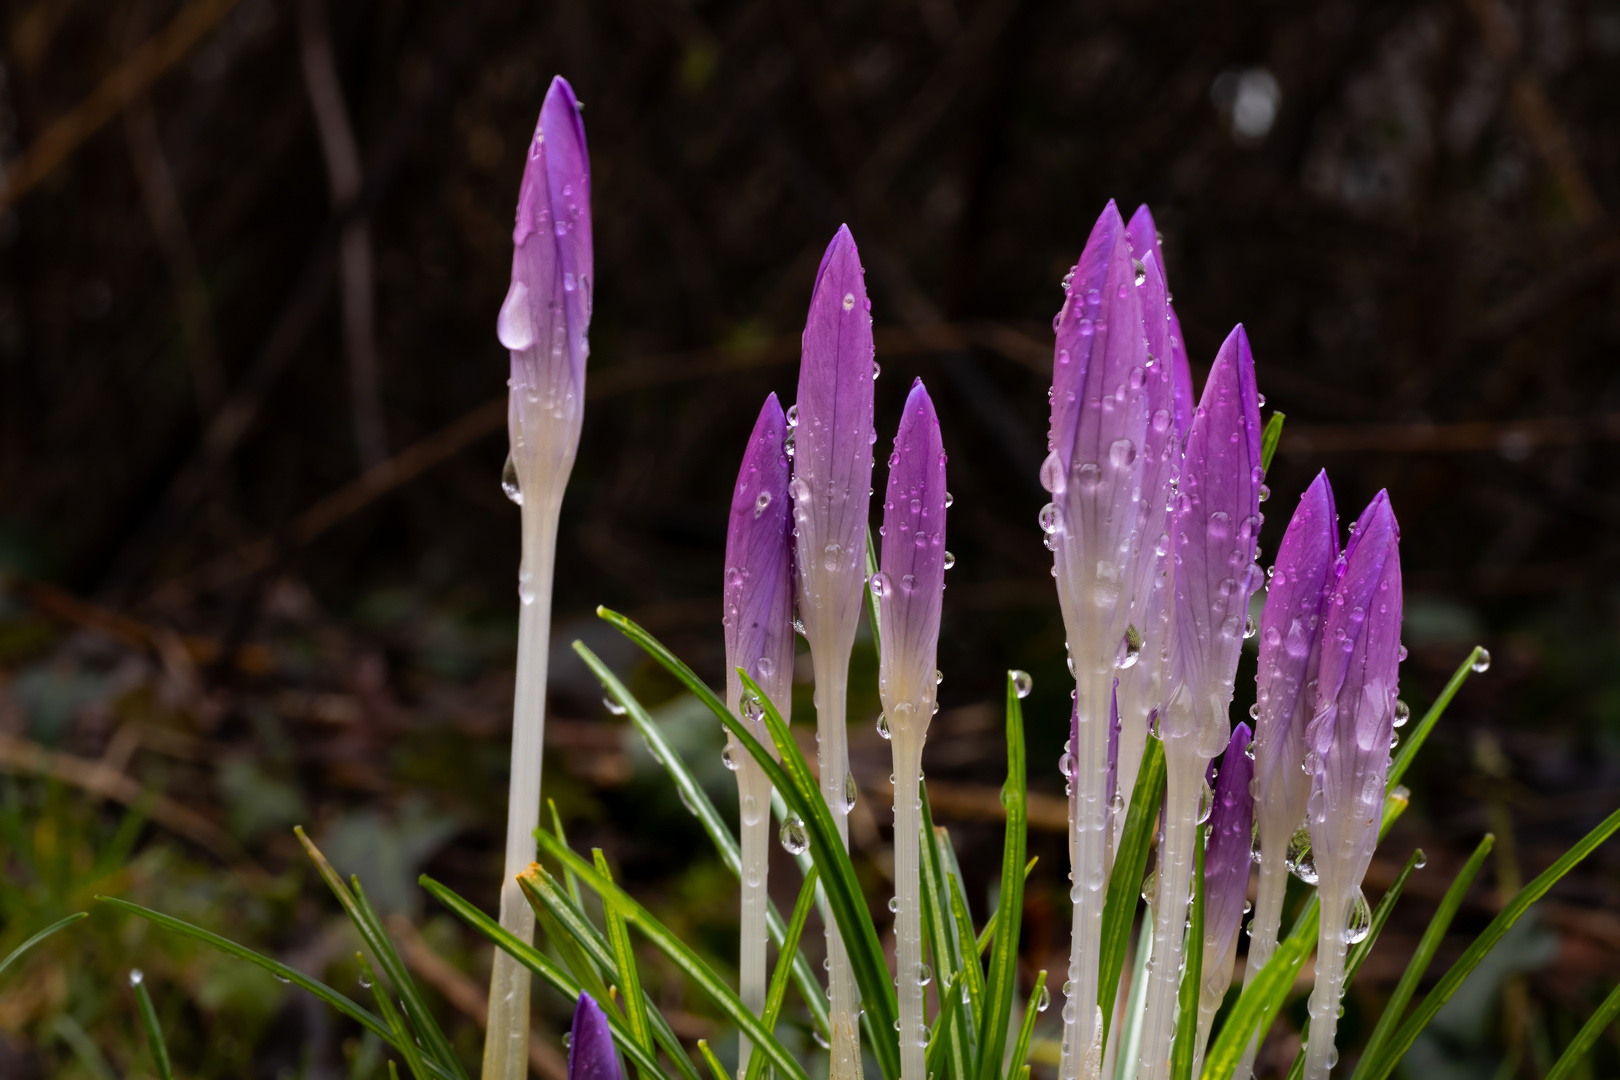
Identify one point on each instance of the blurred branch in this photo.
(127, 81)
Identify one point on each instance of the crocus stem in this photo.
(1089, 840)
(908, 955)
(1320, 1055)
(832, 683)
(506, 1044)
(1268, 905)
(1184, 784)
(754, 800)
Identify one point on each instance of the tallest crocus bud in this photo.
(1213, 546)
(1094, 472)
(910, 589)
(543, 323)
(1347, 751)
(831, 490)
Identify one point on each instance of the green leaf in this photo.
(936, 906)
(1269, 438)
(1125, 883)
(403, 1039)
(624, 959)
(557, 827)
(1259, 1003)
(366, 921)
(1419, 962)
(41, 936)
(970, 965)
(1414, 742)
(871, 601)
(356, 1012)
(684, 958)
(947, 1028)
(540, 964)
(713, 1062)
(1590, 1032)
(1487, 941)
(1001, 979)
(777, 994)
(1192, 975)
(1032, 1009)
(154, 1031)
(692, 792)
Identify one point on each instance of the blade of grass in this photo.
(871, 600)
(1130, 1033)
(41, 936)
(970, 965)
(1486, 941)
(1258, 1004)
(557, 827)
(541, 965)
(713, 824)
(936, 904)
(1032, 1009)
(624, 959)
(352, 898)
(1420, 960)
(667, 943)
(1414, 742)
(1125, 883)
(154, 1031)
(947, 1027)
(1192, 975)
(777, 994)
(1269, 438)
(1590, 1032)
(1001, 979)
(717, 1069)
(404, 1041)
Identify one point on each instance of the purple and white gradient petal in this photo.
(1227, 859)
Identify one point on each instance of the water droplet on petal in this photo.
(509, 480)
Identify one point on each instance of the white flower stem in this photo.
(1216, 977)
(832, 684)
(506, 1044)
(1263, 930)
(754, 802)
(1320, 1055)
(908, 955)
(1089, 842)
(1184, 782)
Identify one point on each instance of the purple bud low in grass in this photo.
(590, 1044)
(758, 589)
(1226, 880)
(1348, 751)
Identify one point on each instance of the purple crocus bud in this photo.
(1226, 880)
(1348, 747)
(547, 313)
(1144, 236)
(590, 1044)
(758, 592)
(1217, 524)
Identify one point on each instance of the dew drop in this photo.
(883, 726)
(136, 976)
(1300, 859)
(1482, 661)
(727, 759)
(849, 301)
(794, 839)
(1022, 683)
(514, 326)
(761, 503)
(509, 480)
(851, 792)
(614, 707)
(1358, 924)
(1403, 713)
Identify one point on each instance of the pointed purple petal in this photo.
(1144, 237)
(1217, 522)
(1227, 858)
(832, 463)
(590, 1044)
(1161, 465)
(1290, 653)
(911, 582)
(758, 591)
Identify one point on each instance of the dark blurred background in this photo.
(259, 570)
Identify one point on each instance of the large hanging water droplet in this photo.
(851, 792)
(950, 560)
(925, 974)
(1482, 661)
(1150, 888)
(514, 326)
(794, 839)
(1358, 924)
(1022, 683)
(1206, 802)
(727, 759)
(1049, 518)
(1300, 859)
(883, 726)
(509, 480)
(1130, 649)
(753, 709)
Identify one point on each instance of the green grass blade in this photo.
(352, 899)
(1125, 883)
(1258, 1005)
(1433, 935)
(1414, 742)
(624, 961)
(1001, 980)
(947, 1030)
(713, 824)
(689, 963)
(839, 882)
(871, 601)
(41, 936)
(970, 965)
(562, 837)
(154, 1031)
(1032, 1009)
(783, 975)
(403, 1040)
(541, 965)
(1269, 438)
(936, 911)
(1590, 1032)
(1129, 1035)
(1487, 941)
(1192, 975)
(715, 1068)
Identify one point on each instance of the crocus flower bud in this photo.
(1348, 747)
(910, 585)
(1226, 880)
(1144, 237)
(547, 314)
(590, 1044)
(758, 592)
(1217, 525)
